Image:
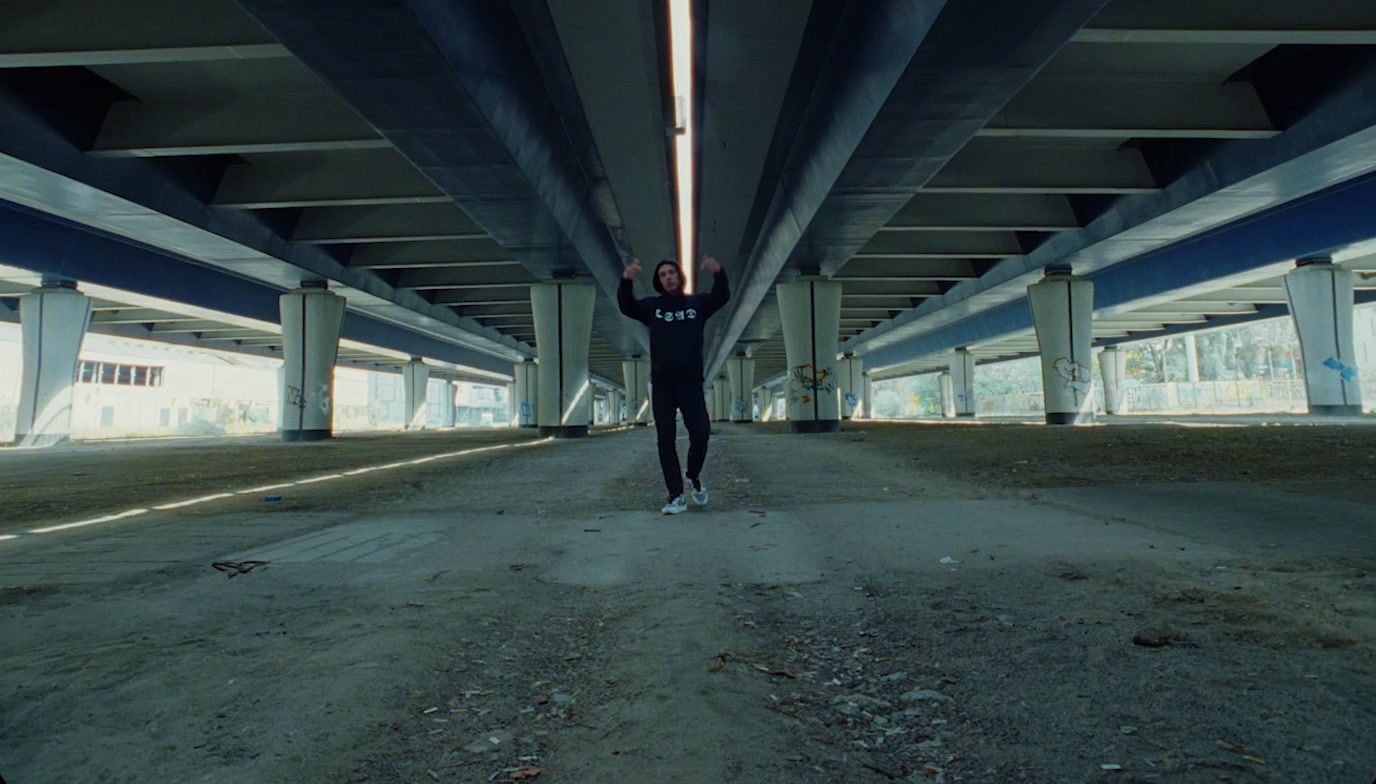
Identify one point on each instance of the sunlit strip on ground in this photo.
(279, 486)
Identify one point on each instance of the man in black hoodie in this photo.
(676, 321)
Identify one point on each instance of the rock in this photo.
(491, 741)
(561, 698)
(894, 676)
(918, 695)
(864, 701)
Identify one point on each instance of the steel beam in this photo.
(269, 123)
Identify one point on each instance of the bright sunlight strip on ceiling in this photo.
(681, 77)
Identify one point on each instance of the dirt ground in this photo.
(916, 603)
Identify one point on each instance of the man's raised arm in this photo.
(625, 294)
(721, 290)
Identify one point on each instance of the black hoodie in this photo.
(676, 322)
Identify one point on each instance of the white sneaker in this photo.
(698, 491)
(676, 505)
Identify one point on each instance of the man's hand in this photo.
(632, 270)
(710, 265)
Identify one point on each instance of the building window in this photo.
(115, 373)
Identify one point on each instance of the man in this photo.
(676, 320)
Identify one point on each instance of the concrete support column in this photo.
(962, 375)
(810, 309)
(636, 374)
(762, 401)
(851, 378)
(740, 372)
(53, 321)
(614, 407)
(1191, 360)
(312, 317)
(946, 393)
(867, 395)
(415, 382)
(1063, 312)
(525, 391)
(1113, 365)
(563, 330)
(1320, 297)
(448, 416)
(721, 393)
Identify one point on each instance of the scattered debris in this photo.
(272, 498)
(1155, 638)
(1110, 766)
(719, 662)
(946, 559)
(524, 773)
(918, 695)
(233, 568)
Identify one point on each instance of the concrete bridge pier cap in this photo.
(810, 309)
(1062, 312)
(53, 320)
(1320, 297)
(563, 331)
(312, 318)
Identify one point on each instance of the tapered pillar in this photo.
(448, 416)
(53, 321)
(867, 396)
(721, 389)
(614, 407)
(563, 330)
(710, 395)
(810, 309)
(1320, 297)
(1063, 310)
(946, 394)
(525, 394)
(415, 382)
(636, 375)
(763, 399)
(851, 377)
(1113, 369)
(962, 383)
(740, 374)
(312, 317)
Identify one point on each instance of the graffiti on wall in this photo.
(1075, 375)
(806, 382)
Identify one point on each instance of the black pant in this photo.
(686, 396)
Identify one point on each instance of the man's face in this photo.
(669, 279)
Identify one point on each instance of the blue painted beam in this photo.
(1335, 143)
(41, 168)
(48, 245)
(1324, 222)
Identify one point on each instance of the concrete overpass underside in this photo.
(452, 189)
